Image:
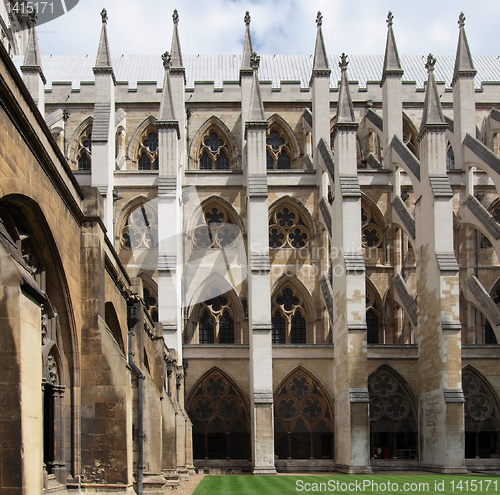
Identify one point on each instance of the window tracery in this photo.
(221, 427)
(147, 155)
(372, 317)
(482, 427)
(410, 137)
(151, 302)
(216, 324)
(287, 228)
(215, 229)
(214, 152)
(288, 323)
(85, 150)
(303, 419)
(393, 425)
(278, 152)
(450, 157)
(141, 228)
(372, 234)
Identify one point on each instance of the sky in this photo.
(356, 27)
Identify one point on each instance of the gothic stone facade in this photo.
(305, 266)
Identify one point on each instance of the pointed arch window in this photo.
(287, 228)
(220, 417)
(372, 234)
(214, 152)
(450, 157)
(85, 150)
(215, 229)
(410, 136)
(278, 152)
(303, 419)
(372, 317)
(147, 155)
(482, 415)
(216, 324)
(393, 426)
(151, 302)
(141, 228)
(288, 323)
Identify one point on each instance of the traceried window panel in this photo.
(85, 150)
(221, 420)
(151, 302)
(288, 319)
(410, 136)
(147, 155)
(303, 418)
(216, 323)
(215, 229)
(278, 151)
(393, 418)
(214, 152)
(372, 317)
(141, 229)
(372, 236)
(482, 415)
(287, 228)
(450, 157)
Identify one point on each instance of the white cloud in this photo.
(281, 26)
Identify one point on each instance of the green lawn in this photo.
(284, 485)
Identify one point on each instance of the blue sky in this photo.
(278, 27)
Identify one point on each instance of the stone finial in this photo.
(343, 62)
(431, 62)
(167, 59)
(461, 20)
(254, 61)
(390, 18)
(175, 16)
(104, 16)
(247, 18)
(319, 19)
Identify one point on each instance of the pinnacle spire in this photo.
(433, 113)
(247, 45)
(392, 63)
(320, 62)
(345, 109)
(103, 59)
(166, 107)
(464, 64)
(256, 112)
(32, 58)
(175, 51)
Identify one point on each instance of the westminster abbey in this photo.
(244, 263)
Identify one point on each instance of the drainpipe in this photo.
(133, 318)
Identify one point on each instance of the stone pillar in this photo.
(352, 440)
(441, 401)
(259, 285)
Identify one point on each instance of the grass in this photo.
(400, 483)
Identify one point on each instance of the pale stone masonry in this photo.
(280, 270)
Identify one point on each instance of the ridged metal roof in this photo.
(274, 68)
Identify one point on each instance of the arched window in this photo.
(288, 322)
(151, 302)
(141, 228)
(287, 228)
(393, 425)
(220, 417)
(374, 146)
(372, 317)
(450, 157)
(482, 415)
(278, 150)
(215, 228)
(214, 153)
(85, 150)
(216, 324)
(372, 233)
(147, 155)
(303, 418)
(410, 136)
